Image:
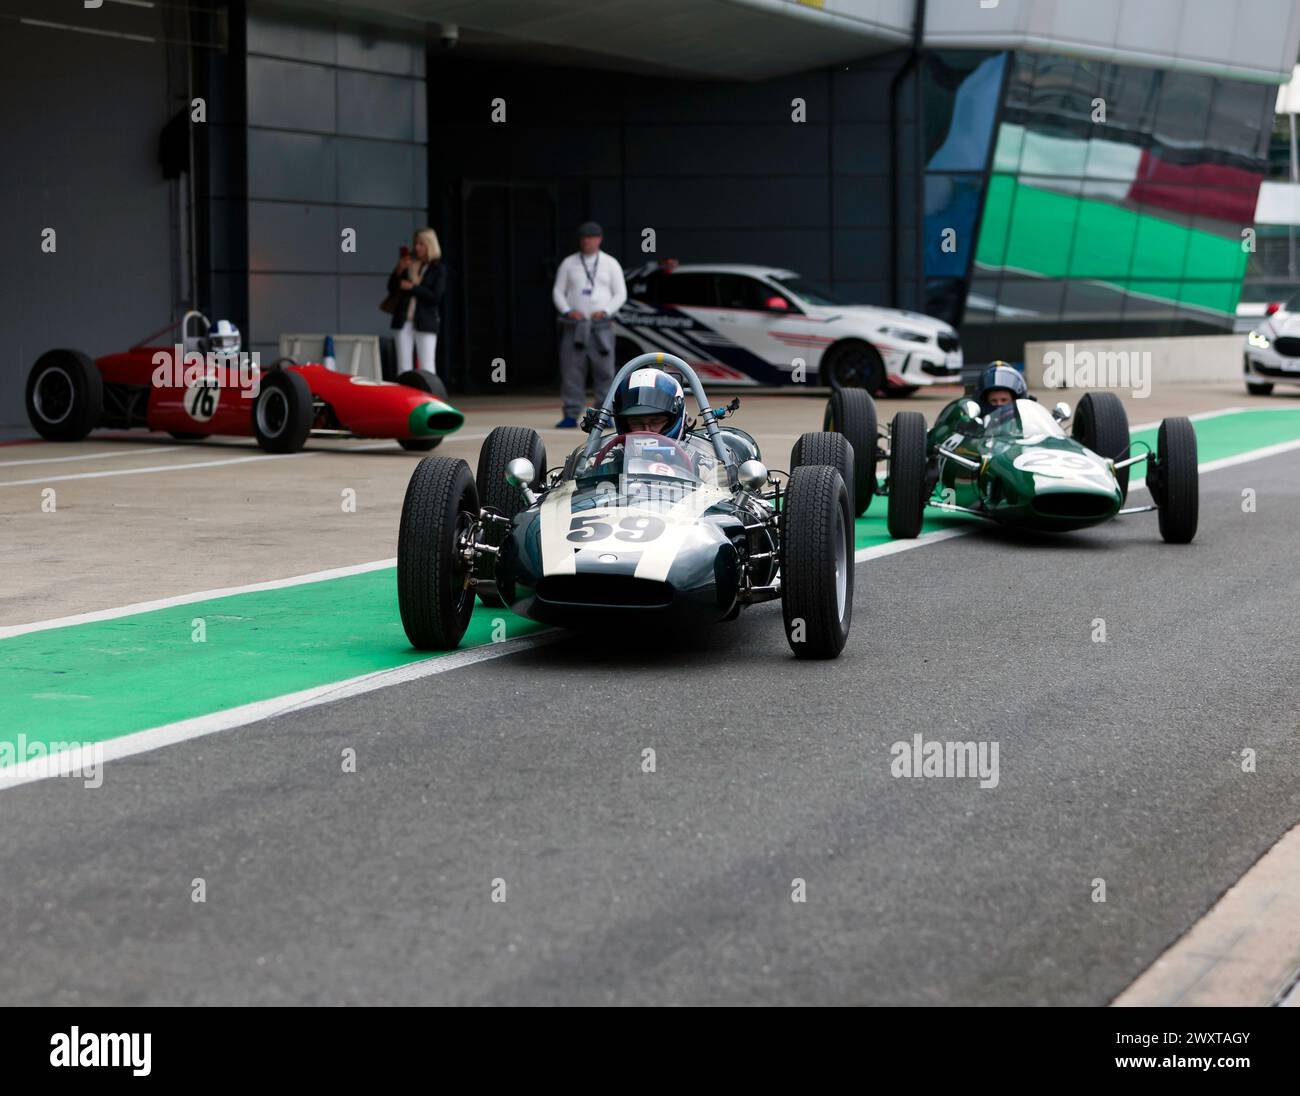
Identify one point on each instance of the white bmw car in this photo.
(1273, 349)
(754, 325)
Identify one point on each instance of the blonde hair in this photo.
(430, 239)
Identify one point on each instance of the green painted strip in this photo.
(91, 682)
(1230, 435)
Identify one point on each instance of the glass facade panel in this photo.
(1183, 112)
(1136, 216)
(961, 91)
(1211, 296)
(952, 206)
(1042, 228)
(1104, 238)
(1032, 300)
(1151, 299)
(991, 247)
(1160, 247)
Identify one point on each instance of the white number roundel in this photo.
(201, 399)
(1054, 462)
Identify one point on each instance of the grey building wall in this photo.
(336, 139)
(85, 163)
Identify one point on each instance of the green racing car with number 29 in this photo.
(1005, 458)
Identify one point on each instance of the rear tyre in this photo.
(504, 444)
(854, 364)
(283, 412)
(852, 413)
(1101, 424)
(1259, 388)
(826, 448)
(424, 381)
(817, 562)
(433, 591)
(65, 395)
(907, 464)
(1175, 481)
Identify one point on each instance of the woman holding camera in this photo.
(418, 281)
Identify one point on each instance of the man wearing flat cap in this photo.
(589, 289)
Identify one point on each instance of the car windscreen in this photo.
(649, 455)
(1021, 419)
(806, 290)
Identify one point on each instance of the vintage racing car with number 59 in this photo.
(655, 521)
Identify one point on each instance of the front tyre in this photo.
(283, 412)
(817, 562)
(500, 447)
(65, 395)
(1259, 388)
(1174, 482)
(434, 594)
(907, 465)
(852, 412)
(1101, 424)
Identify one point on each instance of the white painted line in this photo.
(9, 631)
(391, 444)
(1246, 458)
(43, 768)
(1201, 416)
(892, 547)
(91, 456)
(158, 468)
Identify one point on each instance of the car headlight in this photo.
(904, 334)
(1257, 340)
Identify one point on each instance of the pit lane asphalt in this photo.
(1118, 761)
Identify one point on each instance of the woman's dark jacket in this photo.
(428, 298)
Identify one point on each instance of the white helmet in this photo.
(223, 338)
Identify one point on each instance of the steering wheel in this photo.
(690, 461)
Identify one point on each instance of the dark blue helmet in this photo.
(1001, 375)
(651, 392)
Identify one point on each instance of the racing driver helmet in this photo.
(223, 338)
(651, 392)
(1001, 375)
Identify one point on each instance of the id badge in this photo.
(586, 292)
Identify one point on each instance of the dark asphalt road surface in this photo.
(1118, 761)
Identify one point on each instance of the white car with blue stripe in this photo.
(759, 325)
